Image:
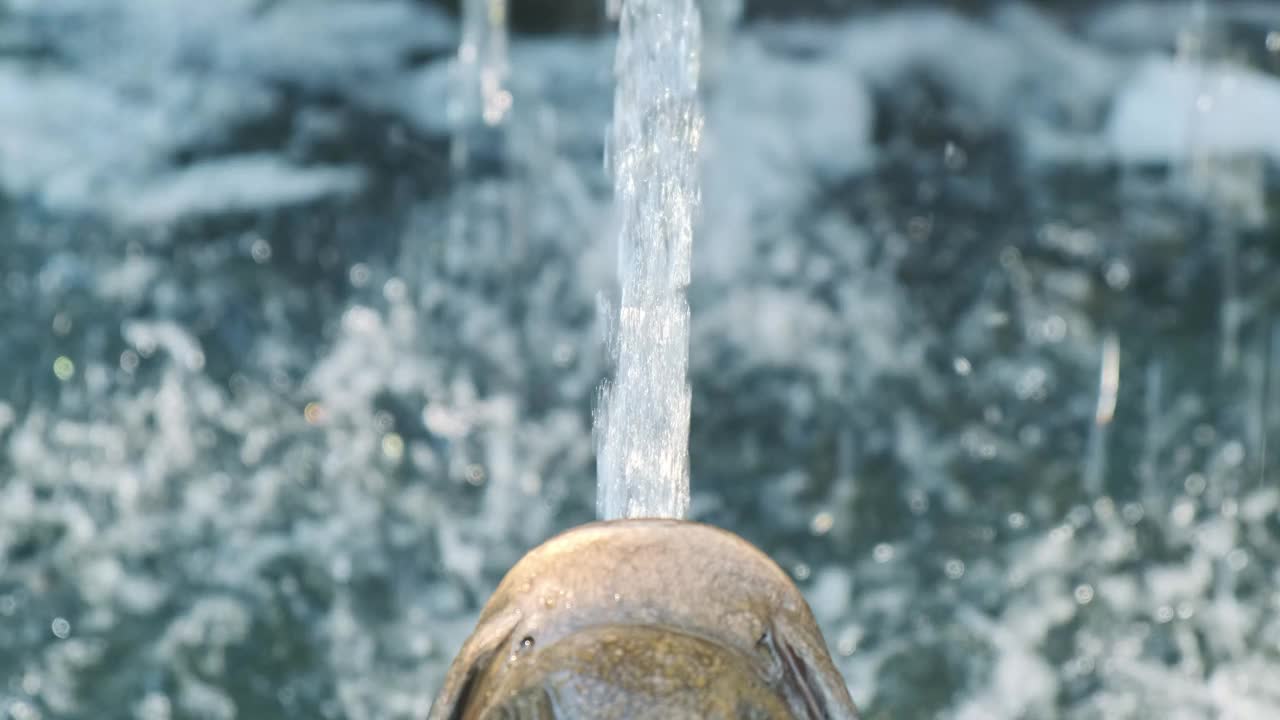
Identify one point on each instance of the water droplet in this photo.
(393, 446)
(918, 502)
(1233, 453)
(260, 250)
(314, 413)
(64, 368)
(821, 523)
(1132, 513)
(1118, 275)
(848, 641)
(61, 324)
(954, 157)
(394, 290)
(1084, 594)
(1184, 513)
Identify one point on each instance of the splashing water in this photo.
(643, 416)
(268, 459)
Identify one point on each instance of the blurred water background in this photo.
(300, 343)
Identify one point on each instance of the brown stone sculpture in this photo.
(645, 619)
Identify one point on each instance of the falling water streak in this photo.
(1270, 399)
(719, 21)
(1154, 439)
(1229, 310)
(1108, 389)
(642, 421)
(480, 94)
(1257, 384)
(478, 105)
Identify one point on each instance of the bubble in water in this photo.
(1017, 520)
(954, 568)
(1195, 484)
(1273, 41)
(962, 366)
(801, 571)
(61, 628)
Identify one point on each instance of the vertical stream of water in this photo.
(642, 421)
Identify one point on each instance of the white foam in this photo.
(1169, 111)
(233, 184)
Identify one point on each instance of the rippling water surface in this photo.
(985, 349)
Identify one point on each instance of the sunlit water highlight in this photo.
(268, 443)
(643, 415)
